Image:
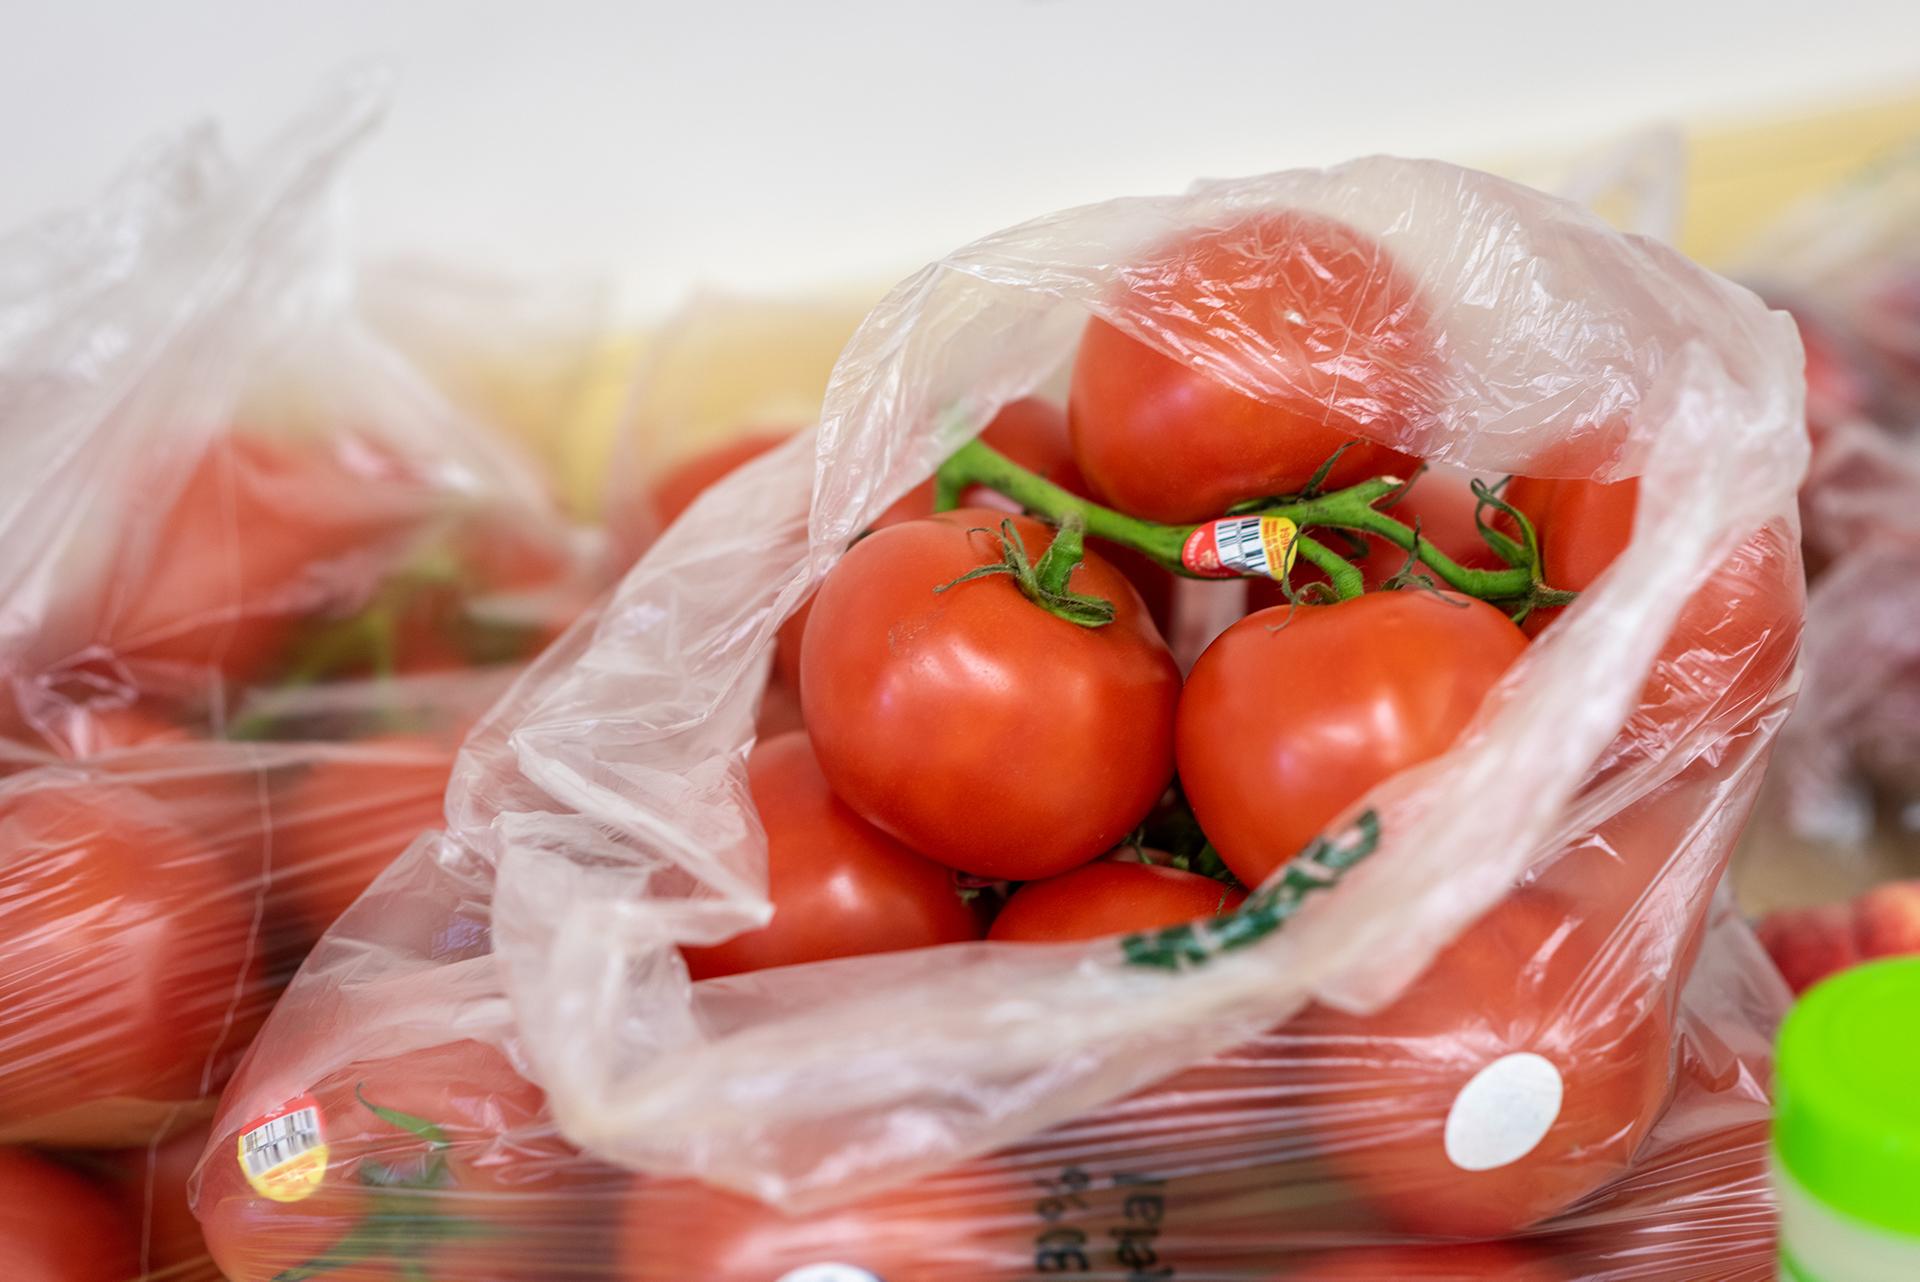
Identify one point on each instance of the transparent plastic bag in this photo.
(260, 575)
(1536, 900)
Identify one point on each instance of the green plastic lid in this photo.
(1847, 1080)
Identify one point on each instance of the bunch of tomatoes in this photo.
(976, 730)
(205, 758)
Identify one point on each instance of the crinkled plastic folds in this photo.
(1312, 1104)
(257, 577)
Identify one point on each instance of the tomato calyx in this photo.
(1359, 510)
(1319, 867)
(1046, 583)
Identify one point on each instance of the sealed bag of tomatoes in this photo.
(1377, 940)
(259, 576)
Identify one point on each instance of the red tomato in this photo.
(55, 1226)
(1288, 719)
(1033, 433)
(232, 567)
(1111, 898)
(970, 723)
(154, 1194)
(514, 589)
(1438, 1262)
(973, 1223)
(126, 966)
(839, 886)
(1513, 1078)
(1736, 637)
(1444, 509)
(677, 488)
(1315, 309)
(495, 1204)
(88, 731)
(338, 826)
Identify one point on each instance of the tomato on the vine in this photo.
(1442, 508)
(676, 489)
(973, 724)
(1111, 897)
(1290, 717)
(490, 1195)
(839, 886)
(1511, 1079)
(127, 966)
(1316, 311)
(56, 1226)
(1736, 637)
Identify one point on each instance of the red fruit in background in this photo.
(234, 563)
(88, 731)
(1290, 717)
(496, 1200)
(1438, 1262)
(677, 488)
(127, 959)
(1510, 1080)
(153, 1186)
(338, 826)
(56, 1226)
(1111, 897)
(1809, 944)
(1313, 309)
(969, 722)
(839, 886)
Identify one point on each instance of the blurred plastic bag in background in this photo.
(260, 572)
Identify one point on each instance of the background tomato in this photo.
(234, 563)
(127, 966)
(56, 1226)
(1438, 1262)
(1316, 310)
(1736, 638)
(1111, 897)
(839, 886)
(1288, 719)
(337, 826)
(1514, 1077)
(972, 724)
(500, 1200)
(637, 523)
(153, 1186)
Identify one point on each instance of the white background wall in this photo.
(784, 145)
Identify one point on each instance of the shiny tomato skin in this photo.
(127, 966)
(56, 1226)
(1289, 718)
(1525, 980)
(1419, 1262)
(976, 1222)
(839, 886)
(503, 1167)
(973, 725)
(339, 824)
(1110, 897)
(1736, 637)
(1326, 316)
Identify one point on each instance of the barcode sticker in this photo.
(283, 1154)
(1236, 546)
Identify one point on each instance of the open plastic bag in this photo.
(259, 576)
(1514, 946)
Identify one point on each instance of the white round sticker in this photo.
(1505, 1111)
(828, 1273)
